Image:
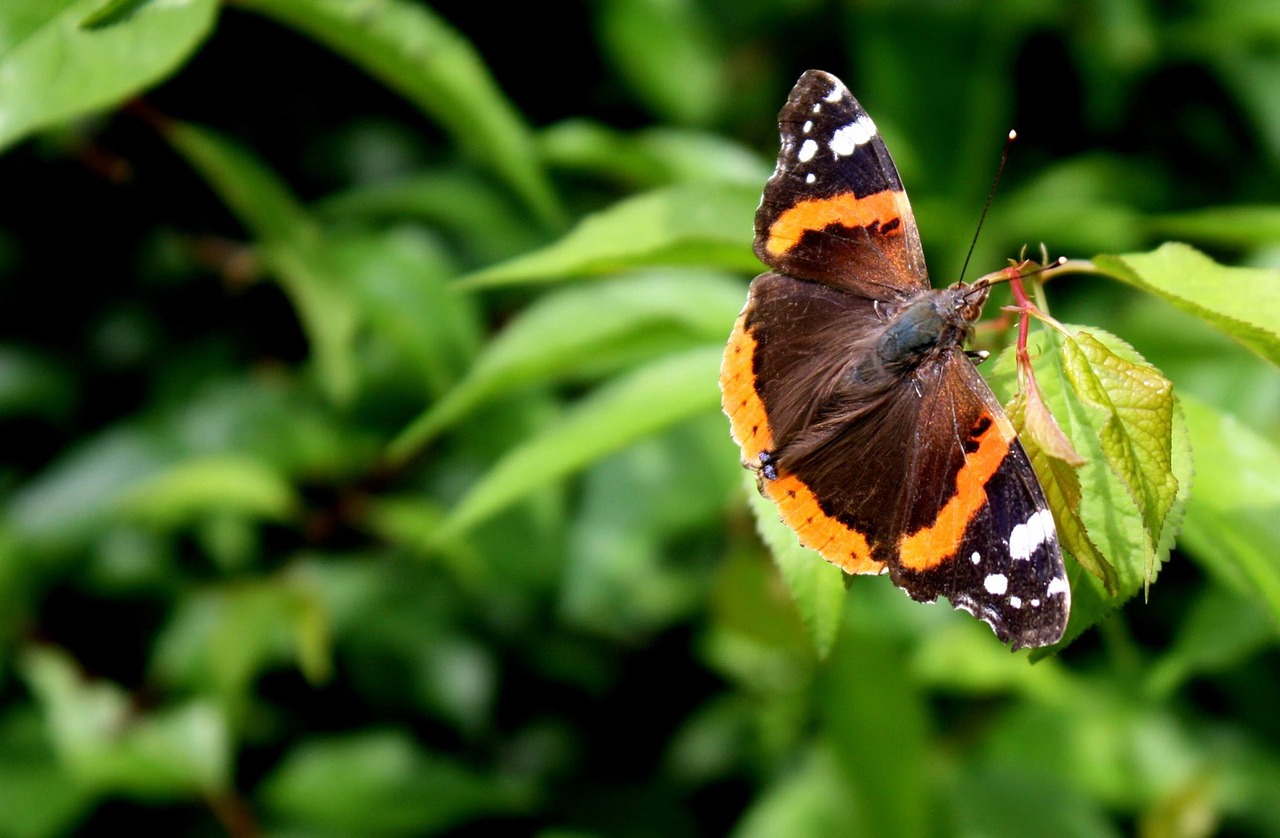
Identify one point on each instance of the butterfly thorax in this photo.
(935, 322)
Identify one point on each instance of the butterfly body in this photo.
(850, 394)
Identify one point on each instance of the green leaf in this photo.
(703, 224)
(1222, 630)
(580, 328)
(381, 782)
(292, 245)
(1109, 512)
(637, 505)
(1243, 302)
(885, 764)
(112, 12)
(37, 796)
(640, 403)
(816, 585)
(467, 206)
(1232, 523)
(221, 638)
(810, 799)
(663, 48)
(1131, 407)
(53, 70)
(108, 746)
(192, 489)
(650, 157)
(410, 49)
(1234, 226)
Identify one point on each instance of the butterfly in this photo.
(850, 394)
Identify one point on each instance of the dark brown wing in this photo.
(783, 383)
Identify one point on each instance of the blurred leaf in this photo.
(381, 783)
(638, 507)
(650, 157)
(702, 224)
(1232, 523)
(221, 638)
(416, 53)
(808, 802)
(194, 488)
(106, 745)
(817, 586)
(292, 245)
(52, 70)
(429, 329)
(882, 759)
(1231, 226)
(1223, 629)
(37, 796)
(664, 50)
(1004, 804)
(1243, 302)
(70, 499)
(476, 215)
(30, 384)
(112, 12)
(572, 327)
(640, 403)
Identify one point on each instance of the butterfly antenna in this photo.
(1004, 158)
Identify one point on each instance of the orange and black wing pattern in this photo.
(849, 393)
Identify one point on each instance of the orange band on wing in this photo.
(839, 544)
(738, 396)
(930, 546)
(845, 209)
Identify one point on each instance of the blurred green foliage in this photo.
(364, 471)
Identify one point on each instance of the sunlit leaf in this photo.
(184, 750)
(52, 69)
(640, 403)
(1131, 407)
(1243, 302)
(581, 328)
(189, 489)
(705, 224)
(1232, 523)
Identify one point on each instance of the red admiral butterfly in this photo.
(848, 389)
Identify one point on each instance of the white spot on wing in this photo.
(848, 138)
(1027, 538)
(807, 150)
(1015, 602)
(1057, 585)
(976, 557)
(834, 94)
(996, 583)
(808, 126)
(810, 178)
(1035, 603)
